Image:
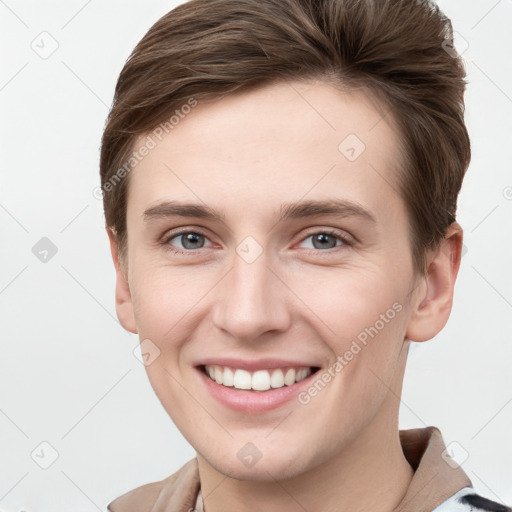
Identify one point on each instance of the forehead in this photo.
(281, 142)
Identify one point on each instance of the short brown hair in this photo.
(400, 50)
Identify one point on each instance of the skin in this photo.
(244, 156)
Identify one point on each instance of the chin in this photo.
(267, 465)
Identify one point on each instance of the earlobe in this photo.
(124, 304)
(433, 304)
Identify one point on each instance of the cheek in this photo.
(164, 300)
(362, 319)
(350, 302)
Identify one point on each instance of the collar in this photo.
(436, 478)
(436, 475)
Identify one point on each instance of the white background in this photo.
(68, 375)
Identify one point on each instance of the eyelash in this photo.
(346, 241)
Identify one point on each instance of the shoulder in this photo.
(181, 486)
(467, 500)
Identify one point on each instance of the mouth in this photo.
(258, 381)
(254, 386)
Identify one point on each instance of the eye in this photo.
(326, 239)
(189, 240)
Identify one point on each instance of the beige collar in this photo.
(434, 479)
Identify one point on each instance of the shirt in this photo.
(438, 484)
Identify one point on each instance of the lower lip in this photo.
(242, 400)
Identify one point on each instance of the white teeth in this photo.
(260, 380)
(229, 377)
(301, 374)
(242, 379)
(289, 377)
(277, 379)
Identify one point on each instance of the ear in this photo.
(124, 305)
(433, 302)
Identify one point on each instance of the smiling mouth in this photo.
(259, 380)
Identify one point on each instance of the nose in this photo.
(251, 300)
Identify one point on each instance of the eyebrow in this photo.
(337, 207)
(176, 208)
(294, 210)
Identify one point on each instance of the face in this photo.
(268, 246)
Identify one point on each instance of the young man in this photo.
(280, 183)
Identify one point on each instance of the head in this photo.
(320, 148)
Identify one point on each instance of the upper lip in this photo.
(254, 365)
